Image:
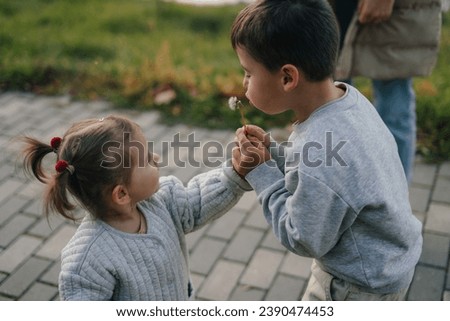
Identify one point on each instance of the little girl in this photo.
(131, 245)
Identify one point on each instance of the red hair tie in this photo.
(62, 165)
(55, 143)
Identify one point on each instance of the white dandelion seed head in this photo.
(232, 102)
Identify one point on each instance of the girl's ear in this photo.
(120, 195)
(290, 77)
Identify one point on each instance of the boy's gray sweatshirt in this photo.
(337, 192)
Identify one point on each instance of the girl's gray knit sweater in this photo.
(102, 263)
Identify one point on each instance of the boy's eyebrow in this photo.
(244, 67)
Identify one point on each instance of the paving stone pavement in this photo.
(234, 258)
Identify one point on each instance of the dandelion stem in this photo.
(240, 106)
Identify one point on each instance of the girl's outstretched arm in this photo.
(206, 197)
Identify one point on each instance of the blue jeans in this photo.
(395, 101)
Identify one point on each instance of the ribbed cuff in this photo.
(231, 174)
(264, 176)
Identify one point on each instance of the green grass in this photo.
(128, 51)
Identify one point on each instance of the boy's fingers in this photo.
(241, 137)
(252, 130)
(251, 146)
(236, 155)
(240, 131)
(256, 142)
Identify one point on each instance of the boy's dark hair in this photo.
(97, 167)
(300, 32)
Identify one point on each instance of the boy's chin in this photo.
(270, 111)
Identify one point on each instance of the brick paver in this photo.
(285, 288)
(205, 255)
(243, 244)
(262, 268)
(19, 251)
(221, 281)
(438, 219)
(236, 257)
(428, 284)
(19, 281)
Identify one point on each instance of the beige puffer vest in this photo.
(404, 46)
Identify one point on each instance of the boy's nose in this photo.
(245, 82)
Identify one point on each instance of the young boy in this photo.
(337, 192)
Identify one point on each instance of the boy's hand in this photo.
(257, 132)
(250, 150)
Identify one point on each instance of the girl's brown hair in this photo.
(96, 151)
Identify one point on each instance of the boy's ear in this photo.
(120, 195)
(290, 77)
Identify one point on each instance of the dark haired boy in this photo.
(338, 192)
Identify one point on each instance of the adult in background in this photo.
(390, 42)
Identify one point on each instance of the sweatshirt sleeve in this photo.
(308, 221)
(206, 197)
(278, 154)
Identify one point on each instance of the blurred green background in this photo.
(149, 54)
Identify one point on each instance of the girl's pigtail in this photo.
(34, 152)
(56, 198)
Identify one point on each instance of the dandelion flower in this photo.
(234, 104)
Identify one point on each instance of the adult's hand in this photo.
(374, 11)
